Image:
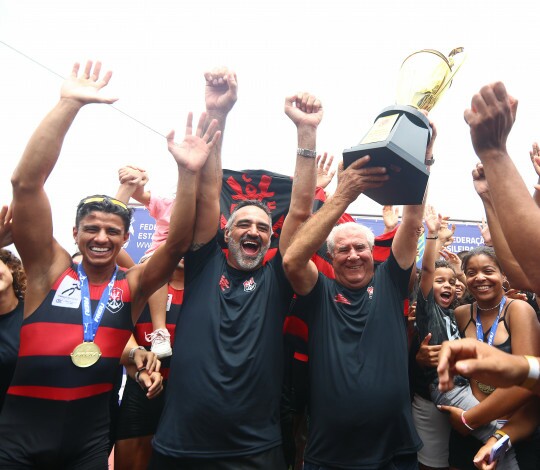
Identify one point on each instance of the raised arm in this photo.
(190, 156)
(446, 233)
(6, 237)
(535, 160)
(132, 181)
(352, 182)
(325, 171)
(390, 215)
(220, 96)
(306, 112)
(513, 271)
(433, 224)
(405, 242)
(42, 256)
(491, 118)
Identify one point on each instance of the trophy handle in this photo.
(456, 58)
(454, 61)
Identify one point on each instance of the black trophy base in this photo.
(402, 151)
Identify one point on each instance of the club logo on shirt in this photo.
(116, 302)
(250, 285)
(370, 292)
(224, 283)
(340, 298)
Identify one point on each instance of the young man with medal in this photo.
(77, 320)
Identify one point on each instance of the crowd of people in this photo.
(250, 358)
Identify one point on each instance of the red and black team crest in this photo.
(274, 190)
(116, 301)
(341, 299)
(370, 292)
(224, 283)
(250, 285)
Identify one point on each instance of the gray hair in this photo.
(245, 203)
(330, 240)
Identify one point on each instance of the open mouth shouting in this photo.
(446, 297)
(251, 246)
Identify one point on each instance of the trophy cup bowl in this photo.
(401, 133)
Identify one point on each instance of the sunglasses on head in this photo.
(112, 200)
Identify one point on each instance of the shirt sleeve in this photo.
(196, 260)
(400, 277)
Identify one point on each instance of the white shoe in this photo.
(161, 342)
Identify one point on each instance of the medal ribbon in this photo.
(493, 330)
(91, 323)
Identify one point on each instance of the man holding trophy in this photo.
(400, 134)
(360, 410)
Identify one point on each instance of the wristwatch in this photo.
(132, 352)
(306, 153)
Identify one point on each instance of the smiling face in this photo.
(352, 258)
(484, 280)
(444, 286)
(460, 289)
(248, 238)
(100, 236)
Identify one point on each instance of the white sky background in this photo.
(346, 52)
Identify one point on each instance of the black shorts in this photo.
(268, 460)
(49, 434)
(138, 416)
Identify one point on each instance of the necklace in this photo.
(490, 308)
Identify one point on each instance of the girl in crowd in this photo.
(436, 321)
(509, 325)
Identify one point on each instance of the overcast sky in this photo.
(346, 52)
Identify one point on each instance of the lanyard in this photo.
(90, 324)
(493, 330)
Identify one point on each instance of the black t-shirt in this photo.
(440, 322)
(360, 410)
(226, 370)
(10, 329)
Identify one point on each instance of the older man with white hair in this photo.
(360, 411)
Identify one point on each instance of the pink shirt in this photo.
(160, 209)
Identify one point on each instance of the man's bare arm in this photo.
(220, 97)
(306, 112)
(352, 182)
(42, 256)
(491, 118)
(512, 270)
(190, 156)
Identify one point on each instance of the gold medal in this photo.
(484, 388)
(86, 354)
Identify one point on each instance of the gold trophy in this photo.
(399, 136)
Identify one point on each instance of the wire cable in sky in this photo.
(31, 59)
